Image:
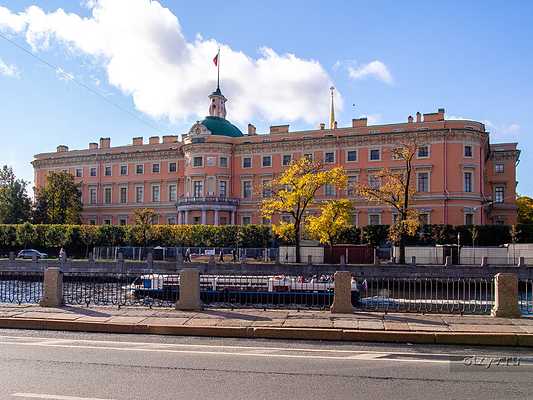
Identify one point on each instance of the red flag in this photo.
(215, 60)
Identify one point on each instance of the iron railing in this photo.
(21, 287)
(525, 290)
(283, 291)
(184, 201)
(427, 295)
(127, 289)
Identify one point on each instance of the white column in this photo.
(204, 216)
(232, 217)
(216, 217)
(186, 217)
(179, 217)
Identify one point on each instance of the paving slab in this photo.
(48, 315)
(125, 320)
(203, 322)
(307, 323)
(371, 325)
(482, 328)
(395, 326)
(345, 324)
(428, 328)
(157, 321)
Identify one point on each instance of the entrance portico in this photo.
(206, 206)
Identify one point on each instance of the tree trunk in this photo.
(402, 249)
(297, 241)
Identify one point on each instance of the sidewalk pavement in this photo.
(276, 324)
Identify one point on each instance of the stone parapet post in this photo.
(189, 292)
(309, 259)
(52, 288)
(506, 296)
(149, 261)
(120, 262)
(376, 258)
(342, 298)
(521, 262)
(484, 261)
(447, 261)
(11, 256)
(413, 260)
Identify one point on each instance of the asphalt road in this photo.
(72, 366)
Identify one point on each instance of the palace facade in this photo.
(215, 173)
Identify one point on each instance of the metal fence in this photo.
(21, 287)
(198, 254)
(293, 292)
(111, 289)
(427, 295)
(525, 290)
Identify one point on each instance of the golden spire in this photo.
(332, 114)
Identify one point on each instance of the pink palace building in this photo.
(215, 173)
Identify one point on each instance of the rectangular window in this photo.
(122, 221)
(196, 220)
(351, 155)
(374, 219)
(499, 194)
(246, 220)
(156, 193)
(267, 189)
(247, 162)
(286, 160)
(423, 152)
(92, 196)
(468, 151)
(423, 182)
(139, 194)
(329, 190)
(93, 171)
(396, 153)
(79, 172)
(223, 162)
(329, 157)
(198, 188)
(309, 156)
(423, 218)
(155, 168)
(107, 170)
(375, 155)
(123, 195)
(373, 181)
(469, 219)
(197, 161)
(247, 190)
(171, 220)
(222, 186)
(267, 161)
(107, 221)
(123, 170)
(352, 185)
(499, 168)
(107, 195)
(172, 192)
(468, 182)
(139, 169)
(92, 222)
(172, 167)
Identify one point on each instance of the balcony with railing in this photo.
(206, 201)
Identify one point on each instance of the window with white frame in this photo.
(247, 189)
(107, 221)
(222, 188)
(92, 195)
(123, 170)
(468, 150)
(123, 195)
(468, 184)
(139, 194)
(156, 168)
(171, 220)
(107, 195)
(374, 219)
(352, 185)
(92, 221)
(92, 171)
(123, 221)
(351, 155)
(246, 220)
(172, 192)
(223, 162)
(423, 151)
(247, 162)
(469, 219)
(156, 193)
(423, 182)
(423, 218)
(499, 194)
(139, 169)
(374, 155)
(329, 157)
(172, 167)
(197, 161)
(267, 190)
(286, 219)
(107, 170)
(374, 181)
(286, 159)
(329, 189)
(79, 172)
(499, 168)
(309, 156)
(198, 188)
(267, 161)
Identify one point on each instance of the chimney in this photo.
(252, 130)
(441, 113)
(170, 139)
(322, 126)
(359, 122)
(105, 143)
(418, 116)
(153, 140)
(410, 119)
(138, 141)
(93, 146)
(274, 129)
(62, 148)
(432, 117)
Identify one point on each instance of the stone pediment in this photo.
(199, 129)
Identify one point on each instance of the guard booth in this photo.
(451, 250)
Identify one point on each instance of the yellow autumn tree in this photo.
(294, 191)
(335, 217)
(396, 188)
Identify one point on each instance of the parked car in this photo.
(29, 253)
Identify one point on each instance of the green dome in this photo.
(221, 126)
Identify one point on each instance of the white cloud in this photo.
(64, 75)
(497, 131)
(8, 70)
(375, 69)
(145, 54)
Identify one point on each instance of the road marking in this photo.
(53, 396)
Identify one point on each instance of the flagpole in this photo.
(218, 69)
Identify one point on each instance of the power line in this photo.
(81, 84)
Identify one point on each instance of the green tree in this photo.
(143, 231)
(26, 234)
(59, 201)
(15, 204)
(525, 209)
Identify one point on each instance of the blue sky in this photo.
(388, 58)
